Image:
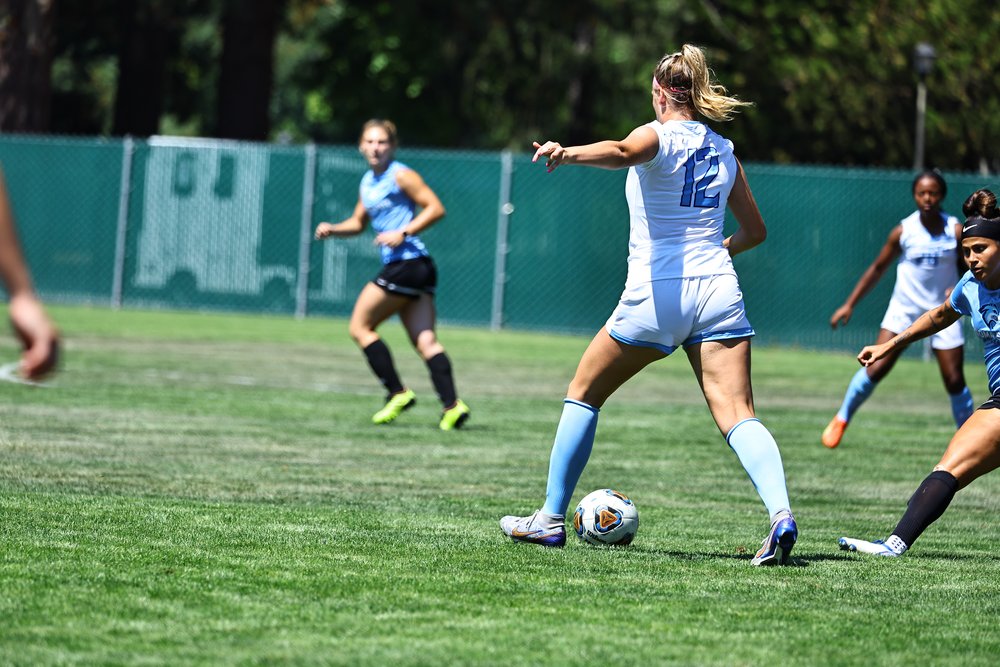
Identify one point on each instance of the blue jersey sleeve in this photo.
(959, 300)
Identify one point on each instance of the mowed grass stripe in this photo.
(206, 489)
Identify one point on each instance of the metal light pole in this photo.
(923, 62)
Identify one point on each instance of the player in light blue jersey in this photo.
(926, 243)
(389, 197)
(975, 449)
(681, 292)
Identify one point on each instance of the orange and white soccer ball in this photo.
(606, 517)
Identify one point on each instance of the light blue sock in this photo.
(758, 452)
(570, 452)
(961, 406)
(858, 391)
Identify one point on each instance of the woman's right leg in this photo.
(860, 388)
(374, 306)
(605, 366)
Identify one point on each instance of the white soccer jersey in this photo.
(677, 205)
(928, 266)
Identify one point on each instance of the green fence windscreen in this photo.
(193, 223)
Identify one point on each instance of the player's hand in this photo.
(872, 353)
(391, 239)
(552, 151)
(841, 316)
(37, 334)
(323, 230)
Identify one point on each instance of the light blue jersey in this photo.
(970, 297)
(390, 209)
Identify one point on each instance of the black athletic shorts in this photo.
(408, 277)
(992, 404)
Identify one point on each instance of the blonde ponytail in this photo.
(687, 81)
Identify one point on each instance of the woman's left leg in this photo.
(419, 318)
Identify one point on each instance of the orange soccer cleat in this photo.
(833, 432)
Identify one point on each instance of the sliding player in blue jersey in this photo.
(681, 292)
(975, 449)
(389, 196)
(926, 243)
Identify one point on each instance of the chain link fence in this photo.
(221, 225)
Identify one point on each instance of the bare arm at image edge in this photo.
(31, 324)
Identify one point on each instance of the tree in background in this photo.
(249, 28)
(26, 50)
(145, 34)
(832, 80)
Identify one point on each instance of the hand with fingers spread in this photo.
(552, 151)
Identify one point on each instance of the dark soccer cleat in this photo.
(777, 546)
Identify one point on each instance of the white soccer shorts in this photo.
(666, 314)
(898, 317)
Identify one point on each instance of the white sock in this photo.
(895, 543)
(549, 521)
(781, 514)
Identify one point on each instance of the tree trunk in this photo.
(26, 46)
(248, 33)
(142, 62)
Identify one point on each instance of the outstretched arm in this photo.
(869, 278)
(31, 324)
(928, 324)
(639, 146)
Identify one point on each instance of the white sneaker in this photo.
(525, 529)
(876, 548)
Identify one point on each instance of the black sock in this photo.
(380, 360)
(440, 367)
(926, 505)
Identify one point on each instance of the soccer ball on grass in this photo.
(606, 517)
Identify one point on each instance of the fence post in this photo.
(124, 195)
(305, 231)
(504, 209)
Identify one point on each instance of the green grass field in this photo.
(207, 489)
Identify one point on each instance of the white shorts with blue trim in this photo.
(666, 314)
(899, 316)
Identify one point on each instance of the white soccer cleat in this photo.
(526, 529)
(876, 548)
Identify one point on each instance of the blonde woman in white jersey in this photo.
(930, 263)
(681, 291)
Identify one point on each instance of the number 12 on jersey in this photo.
(695, 189)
